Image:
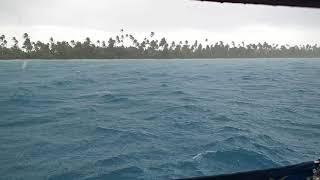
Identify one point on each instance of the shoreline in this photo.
(167, 59)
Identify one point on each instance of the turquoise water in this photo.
(156, 119)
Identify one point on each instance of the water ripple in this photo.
(142, 119)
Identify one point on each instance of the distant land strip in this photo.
(126, 46)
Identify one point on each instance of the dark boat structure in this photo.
(303, 171)
(293, 3)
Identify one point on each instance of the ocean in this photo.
(156, 119)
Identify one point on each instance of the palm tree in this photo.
(173, 44)
(103, 44)
(25, 35)
(3, 42)
(111, 43)
(73, 43)
(135, 42)
(162, 42)
(15, 43)
(118, 39)
(87, 41)
(27, 45)
(122, 38)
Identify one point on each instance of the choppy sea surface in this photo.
(156, 119)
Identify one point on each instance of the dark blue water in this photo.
(156, 119)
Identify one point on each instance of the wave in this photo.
(188, 125)
(114, 124)
(116, 161)
(105, 97)
(22, 93)
(85, 81)
(114, 98)
(221, 118)
(234, 159)
(99, 94)
(124, 135)
(25, 123)
(300, 124)
(108, 131)
(231, 130)
(125, 173)
(150, 118)
(203, 77)
(186, 108)
(117, 99)
(70, 175)
(175, 170)
(246, 103)
(61, 83)
(44, 86)
(275, 150)
(179, 92)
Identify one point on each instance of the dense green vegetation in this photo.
(126, 46)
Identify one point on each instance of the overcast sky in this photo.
(175, 19)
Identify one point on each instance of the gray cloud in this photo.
(154, 15)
